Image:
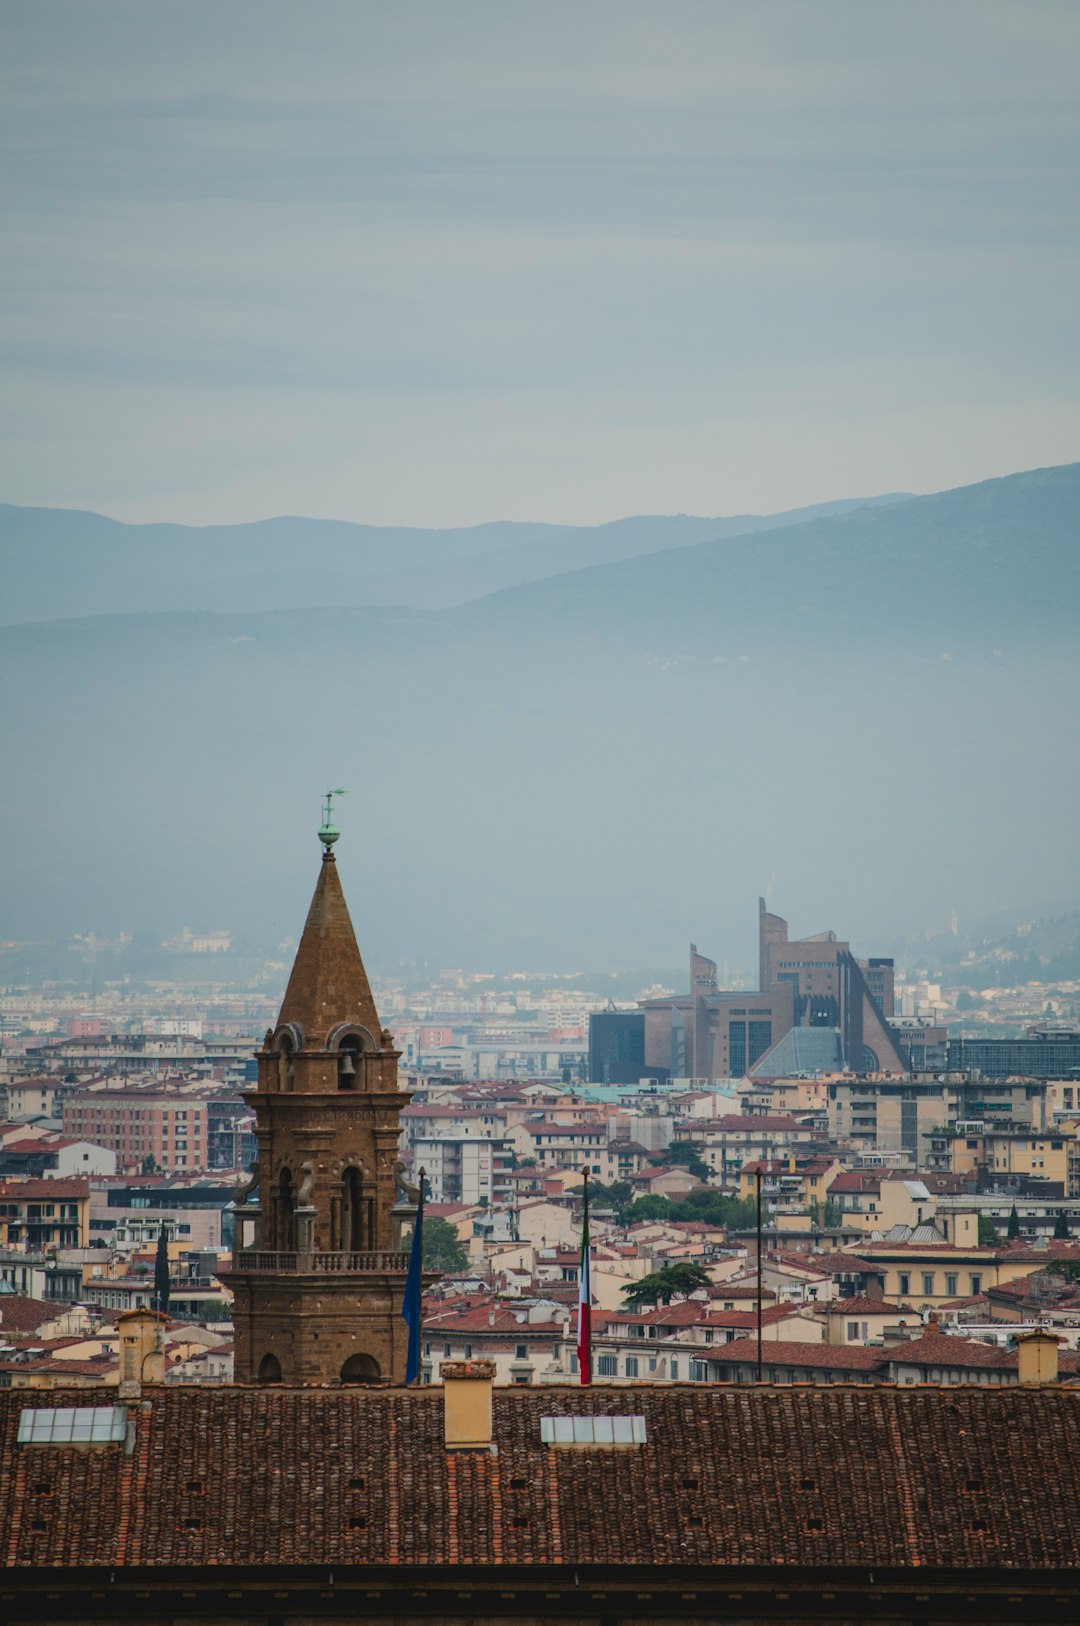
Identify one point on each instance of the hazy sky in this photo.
(453, 261)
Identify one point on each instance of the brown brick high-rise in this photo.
(319, 1285)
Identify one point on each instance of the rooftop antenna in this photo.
(329, 832)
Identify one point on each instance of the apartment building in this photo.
(469, 1169)
(726, 1143)
(878, 1199)
(888, 1114)
(1005, 1149)
(38, 1215)
(140, 1124)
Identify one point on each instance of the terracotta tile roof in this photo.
(938, 1349)
(829, 1477)
(832, 1264)
(789, 1352)
(19, 1315)
(27, 1190)
(481, 1319)
(751, 1123)
(861, 1305)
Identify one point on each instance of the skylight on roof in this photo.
(592, 1430)
(73, 1425)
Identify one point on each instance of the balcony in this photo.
(368, 1261)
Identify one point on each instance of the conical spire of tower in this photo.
(328, 984)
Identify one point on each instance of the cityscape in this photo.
(540, 897)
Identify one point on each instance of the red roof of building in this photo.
(21, 1315)
(255, 1478)
(32, 1190)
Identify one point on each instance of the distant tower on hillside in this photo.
(319, 1272)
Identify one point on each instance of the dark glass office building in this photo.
(616, 1047)
(1045, 1055)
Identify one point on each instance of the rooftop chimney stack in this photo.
(1037, 1357)
(467, 1388)
(142, 1351)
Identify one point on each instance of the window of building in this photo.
(607, 1366)
(928, 1281)
(674, 1368)
(905, 1283)
(522, 1352)
(976, 1284)
(631, 1366)
(950, 1286)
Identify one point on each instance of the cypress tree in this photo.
(1061, 1226)
(161, 1272)
(1014, 1223)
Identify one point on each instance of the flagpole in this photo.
(412, 1307)
(584, 1331)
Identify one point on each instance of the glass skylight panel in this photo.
(73, 1425)
(592, 1430)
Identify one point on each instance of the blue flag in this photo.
(411, 1310)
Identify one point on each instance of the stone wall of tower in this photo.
(318, 1289)
(327, 1147)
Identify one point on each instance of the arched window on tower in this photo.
(360, 1369)
(354, 1216)
(269, 1369)
(286, 1071)
(349, 1063)
(286, 1212)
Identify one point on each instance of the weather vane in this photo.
(329, 832)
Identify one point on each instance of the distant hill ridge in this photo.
(879, 704)
(65, 562)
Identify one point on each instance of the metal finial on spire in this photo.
(329, 832)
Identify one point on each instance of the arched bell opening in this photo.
(349, 1063)
(285, 1219)
(286, 1069)
(360, 1369)
(355, 1213)
(269, 1369)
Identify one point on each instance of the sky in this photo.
(441, 263)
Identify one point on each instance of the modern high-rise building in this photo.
(616, 1047)
(804, 983)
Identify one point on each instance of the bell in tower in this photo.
(319, 1273)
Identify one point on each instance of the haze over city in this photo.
(540, 912)
(533, 269)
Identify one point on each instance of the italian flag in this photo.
(584, 1303)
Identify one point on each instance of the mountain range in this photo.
(866, 712)
(64, 562)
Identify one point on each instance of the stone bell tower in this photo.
(319, 1272)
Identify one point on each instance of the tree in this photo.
(160, 1299)
(444, 1250)
(989, 1236)
(618, 1197)
(650, 1208)
(148, 1165)
(1061, 1226)
(673, 1281)
(1014, 1224)
(688, 1156)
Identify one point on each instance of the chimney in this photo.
(1037, 1357)
(142, 1351)
(467, 1387)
